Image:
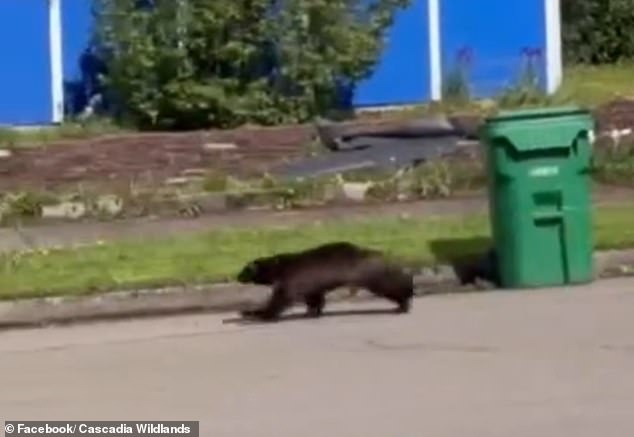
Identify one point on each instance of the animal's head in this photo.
(262, 271)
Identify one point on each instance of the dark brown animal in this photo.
(309, 275)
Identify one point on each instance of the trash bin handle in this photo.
(548, 216)
(556, 215)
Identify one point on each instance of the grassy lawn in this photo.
(34, 137)
(595, 85)
(216, 256)
(583, 85)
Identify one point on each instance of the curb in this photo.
(228, 297)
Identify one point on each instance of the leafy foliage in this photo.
(183, 64)
(598, 31)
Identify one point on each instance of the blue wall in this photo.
(78, 72)
(495, 36)
(77, 28)
(498, 35)
(25, 76)
(482, 30)
(402, 75)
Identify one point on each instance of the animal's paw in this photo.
(258, 315)
(248, 314)
(404, 307)
(314, 313)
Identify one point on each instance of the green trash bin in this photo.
(540, 196)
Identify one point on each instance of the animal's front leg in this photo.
(276, 304)
(315, 304)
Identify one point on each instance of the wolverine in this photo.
(308, 276)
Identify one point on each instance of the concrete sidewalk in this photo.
(71, 234)
(547, 363)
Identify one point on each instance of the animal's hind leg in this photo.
(404, 294)
(315, 303)
(399, 290)
(278, 302)
(404, 304)
(402, 298)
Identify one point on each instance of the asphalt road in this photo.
(548, 363)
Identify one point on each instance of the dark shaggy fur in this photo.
(309, 275)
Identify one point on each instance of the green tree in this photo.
(184, 64)
(598, 31)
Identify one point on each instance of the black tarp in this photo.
(388, 148)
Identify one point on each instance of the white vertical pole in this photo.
(554, 64)
(434, 49)
(55, 48)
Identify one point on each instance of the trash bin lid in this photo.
(527, 114)
(539, 129)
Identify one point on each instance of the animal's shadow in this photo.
(473, 260)
(300, 316)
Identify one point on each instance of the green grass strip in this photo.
(217, 255)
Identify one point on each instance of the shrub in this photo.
(598, 31)
(197, 63)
